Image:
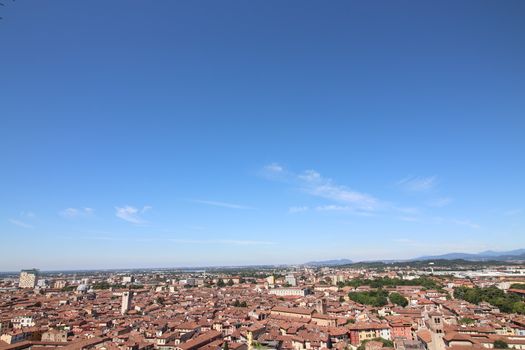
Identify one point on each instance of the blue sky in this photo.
(190, 133)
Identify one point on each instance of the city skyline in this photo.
(172, 134)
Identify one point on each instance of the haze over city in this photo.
(167, 133)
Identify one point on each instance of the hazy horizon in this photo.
(148, 134)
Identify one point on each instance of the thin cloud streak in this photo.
(131, 214)
(340, 208)
(221, 204)
(319, 186)
(71, 213)
(418, 183)
(274, 168)
(312, 183)
(295, 210)
(346, 200)
(20, 223)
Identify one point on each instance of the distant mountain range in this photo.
(329, 262)
(517, 254)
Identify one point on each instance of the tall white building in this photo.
(270, 280)
(290, 279)
(128, 279)
(28, 278)
(126, 302)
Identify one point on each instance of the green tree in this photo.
(517, 286)
(398, 299)
(238, 303)
(466, 320)
(375, 298)
(386, 343)
(519, 308)
(425, 282)
(221, 283)
(230, 282)
(500, 344)
(506, 302)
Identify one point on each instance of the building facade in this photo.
(126, 302)
(28, 278)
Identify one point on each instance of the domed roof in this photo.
(82, 288)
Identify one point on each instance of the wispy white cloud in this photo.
(131, 214)
(275, 171)
(20, 223)
(333, 207)
(221, 204)
(418, 183)
(313, 183)
(343, 209)
(24, 217)
(274, 168)
(317, 185)
(71, 213)
(294, 210)
(341, 198)
(310, 176)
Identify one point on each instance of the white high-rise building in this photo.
(126, 302)
(290, 279)
(270, 280)
(128, 279)
(28, 278)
